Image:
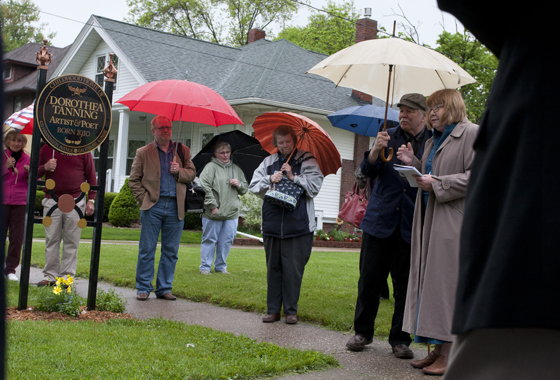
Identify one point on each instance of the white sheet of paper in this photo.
(408, 172)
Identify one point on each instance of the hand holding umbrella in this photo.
(50, 165)
(381, 142)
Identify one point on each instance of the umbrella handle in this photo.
(383, 157)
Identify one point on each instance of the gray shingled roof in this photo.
(266, 70)
(26, 55)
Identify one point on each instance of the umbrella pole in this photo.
(177, 144)
(384, 158)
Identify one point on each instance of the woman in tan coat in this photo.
(438, 214)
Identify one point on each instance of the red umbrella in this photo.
(22, 120)
(181, 100)
(311, 137)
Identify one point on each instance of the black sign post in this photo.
(73, 115)
(43, 59)
(110, 72)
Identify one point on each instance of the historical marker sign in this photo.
(73, 114)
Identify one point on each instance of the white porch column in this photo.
(122, 148)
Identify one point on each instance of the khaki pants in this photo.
(64, 228)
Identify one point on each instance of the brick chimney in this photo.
(255, 35)
(366, 29)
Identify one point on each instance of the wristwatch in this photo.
(91, 200)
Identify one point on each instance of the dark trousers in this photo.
(285, 263)
(377, 257)
(15, 223)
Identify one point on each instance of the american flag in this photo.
(22, 120)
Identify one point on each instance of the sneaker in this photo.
(205, 272)
(12, 277)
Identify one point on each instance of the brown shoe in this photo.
(427, 361)
(438, 368)
(358, 343)
(291, 319)
(269, 318)
(168, 296)
(46, 283)
(142, 296)
(402, 351)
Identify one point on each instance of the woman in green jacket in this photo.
(223, 182)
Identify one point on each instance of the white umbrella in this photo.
(365, 67)
(391, 67)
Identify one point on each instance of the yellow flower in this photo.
(70, 280)
(69, 289)
(56, 289)
(59, 280)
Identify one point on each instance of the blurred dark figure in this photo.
(506, 307)
(3, 245)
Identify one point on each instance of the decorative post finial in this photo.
(43, 56)
(110, 70)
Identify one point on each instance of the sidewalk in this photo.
(376, 362)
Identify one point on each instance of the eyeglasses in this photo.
(163, 128)
(436, 108)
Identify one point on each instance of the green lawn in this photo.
(147, 349)
(328, 293)
(132, 349)
(115, 233)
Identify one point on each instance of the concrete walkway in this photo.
(375, 362)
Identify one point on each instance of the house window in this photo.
(17, 103)
(110, 154)
(133, 145)
(101, 62)
(205, 139)
(7, 74)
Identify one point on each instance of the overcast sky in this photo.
(67, 17)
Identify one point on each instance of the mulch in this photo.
(30, 314)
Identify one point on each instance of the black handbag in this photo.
(194, 198)
(284, 194)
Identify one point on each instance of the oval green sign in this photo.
(73, 114)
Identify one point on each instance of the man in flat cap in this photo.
(387, 227)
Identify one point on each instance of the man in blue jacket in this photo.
(387, 225)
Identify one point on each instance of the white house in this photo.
(256, 78)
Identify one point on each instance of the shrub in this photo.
(109, 198)
(38, 206)
(124, 209)
(110, 301)
(193, 221)
(251, 206)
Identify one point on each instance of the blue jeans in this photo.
(217, 236)
(160, 217)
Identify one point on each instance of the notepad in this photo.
(408, 172)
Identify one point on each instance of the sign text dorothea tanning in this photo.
(73, 114)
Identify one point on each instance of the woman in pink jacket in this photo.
(15, 173)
